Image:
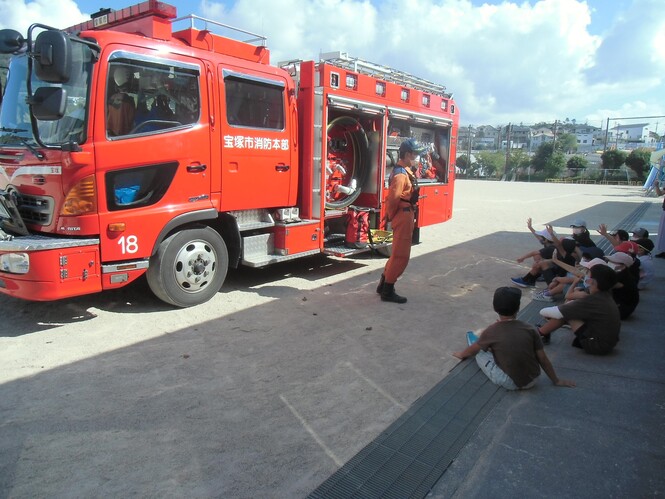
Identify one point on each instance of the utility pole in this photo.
(554, 141)
(468, 156)
(607, 132)
(505, 168)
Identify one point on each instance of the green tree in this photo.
(518, 160)
(612, 159)
(638, 161)
(543, 153)
(554, 165)
(490, 163)
(463, 163)
(577, 163)
(566, 142)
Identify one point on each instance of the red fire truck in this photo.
(130, 147)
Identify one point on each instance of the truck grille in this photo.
(36, 210)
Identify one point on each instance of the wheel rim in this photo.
(194, 266)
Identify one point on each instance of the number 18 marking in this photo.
(129, 244)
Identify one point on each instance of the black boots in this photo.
(387, 291)
(379, 288)
(388, 294)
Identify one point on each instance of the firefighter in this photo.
(400, 211)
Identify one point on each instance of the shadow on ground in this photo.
(269, 401)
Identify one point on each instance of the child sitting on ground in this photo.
(510, 352)
(620, 240)
(563, 285)
(584, 242)
(594, 319)
(542, 259)
(644, 249)
(625, 292)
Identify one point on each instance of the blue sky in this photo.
(518, 62)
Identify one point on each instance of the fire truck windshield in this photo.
(15, 123)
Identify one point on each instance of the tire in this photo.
(189, 267)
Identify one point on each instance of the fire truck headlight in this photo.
(15, 263)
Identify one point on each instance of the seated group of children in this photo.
(597, 291)
(560, 261)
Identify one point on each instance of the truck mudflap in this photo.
(43, 268)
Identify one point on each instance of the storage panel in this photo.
(435, 204)
(297, 238)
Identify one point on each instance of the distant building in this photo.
(654, 138)
(520, 136)
(540, 136)
(587, 137)
(633, 135)
(487, 135)
(464, 134)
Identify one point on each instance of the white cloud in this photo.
(633, 49)
(19, 15)
(627, 78)
(501, 61)
(518, 62)
(299, 29)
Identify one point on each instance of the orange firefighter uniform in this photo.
(401, 214)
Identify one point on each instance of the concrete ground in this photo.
(289, 371)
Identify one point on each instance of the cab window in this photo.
(254, 103)
(144, 97)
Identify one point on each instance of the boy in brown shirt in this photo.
(510, 352)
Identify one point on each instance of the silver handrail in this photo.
(192, 18)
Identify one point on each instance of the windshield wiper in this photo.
(14, 131)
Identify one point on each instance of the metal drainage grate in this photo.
(408, 458)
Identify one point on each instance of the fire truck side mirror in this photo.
(10, 41)
(53, 56)
(49, 103)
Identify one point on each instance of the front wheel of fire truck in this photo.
(189, 267)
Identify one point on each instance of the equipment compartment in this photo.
(297, 237)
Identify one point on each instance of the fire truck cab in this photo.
(130, 147)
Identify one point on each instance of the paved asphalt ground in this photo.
(273, 385)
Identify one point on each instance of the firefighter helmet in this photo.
(410, 145)
(121, 75)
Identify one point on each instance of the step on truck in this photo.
(142, 143)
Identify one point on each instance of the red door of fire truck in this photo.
(152, 148)
(259, 157)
